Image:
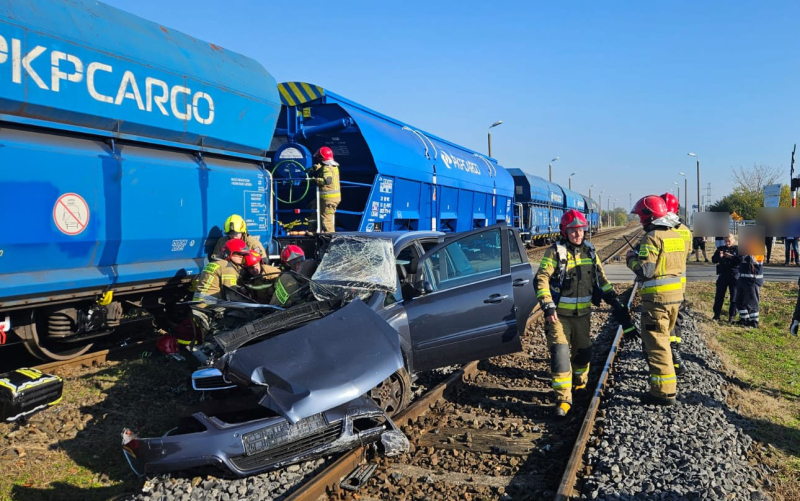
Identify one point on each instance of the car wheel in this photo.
(393, 394)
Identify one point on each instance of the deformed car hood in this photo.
(322, 364)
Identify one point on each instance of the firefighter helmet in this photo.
(325, 154)
(236, 224)
(167, 344)
(572, 219)
(290, 253)
(252, 258)
(671, 201)
(649, 208)
(234, 246)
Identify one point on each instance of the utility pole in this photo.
(699, 204)
(793, 184)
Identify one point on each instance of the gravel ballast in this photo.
(696, 449)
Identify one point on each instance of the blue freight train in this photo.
(124, 145)
(539, 205)
(394, 176)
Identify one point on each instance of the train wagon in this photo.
(124, 145)
(592, 215)
(539, 205)
(394, 177)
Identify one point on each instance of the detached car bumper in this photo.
(255, 446)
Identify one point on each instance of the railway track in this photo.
(482, 433)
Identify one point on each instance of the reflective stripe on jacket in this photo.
(327, 178)
(214, 276)
(581, 272)
(661, 265)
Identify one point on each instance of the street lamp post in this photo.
(685, 198)
(589, 211)
(679, 195)
(699, 205)
(608, 208)
(600, 205)
(551, 168)
(570, 179)
(490, 135)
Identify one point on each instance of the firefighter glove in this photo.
(549, 309)
(793, 328)
(630, 332)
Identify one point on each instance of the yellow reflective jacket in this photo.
(252, 243)
(661, 265)
(326, 176)
(580, 268)
(213, 277)
(262, 286)
(686, 234)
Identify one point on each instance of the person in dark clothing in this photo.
(791, 248)
(748, 289)
(727, 260)
(768, 245)
(796, 317)
(698, 246)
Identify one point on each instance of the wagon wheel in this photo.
(43, 349)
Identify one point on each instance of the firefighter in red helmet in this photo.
(660, 265)
(672, 203)
(215, 276)
(326, 176)
(259, 279)
(570, 276)
(291, 287)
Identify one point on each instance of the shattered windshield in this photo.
(355, 266)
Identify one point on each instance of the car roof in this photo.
(399, 238)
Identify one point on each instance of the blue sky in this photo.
(620, 91)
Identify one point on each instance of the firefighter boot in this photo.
(562, 409)
(677, 361)
(650, 399)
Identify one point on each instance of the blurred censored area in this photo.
(779, 221)
(751, 241)
(711, 224)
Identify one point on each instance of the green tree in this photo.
(786, 196)
(742, 201)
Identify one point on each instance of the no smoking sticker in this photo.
(71, 214)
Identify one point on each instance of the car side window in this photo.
(404, 258)
(513, 248)
(464, 261)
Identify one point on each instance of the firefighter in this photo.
(216, 275)
(671, 201)
(235, 227)
(748, 289)
(290, 287)
(660, 264)
(796, 317)
(727, 260)
(260, 278)
(325, 174)
(569, 275)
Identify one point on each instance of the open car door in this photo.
(465, 306)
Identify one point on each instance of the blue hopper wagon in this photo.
(124, 145)
(539, 205)
(592, 216)
(394, 176)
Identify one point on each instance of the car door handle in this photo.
(495, 298)
(520, 282)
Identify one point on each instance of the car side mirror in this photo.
(414, 266)
(422, 287)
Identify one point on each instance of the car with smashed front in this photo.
(327, 375)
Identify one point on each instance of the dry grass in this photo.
(763, 367)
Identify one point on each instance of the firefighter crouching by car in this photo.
(235, 227)
(660, 266)
(569, 276)
(326, 176)
(291, 287)
(672, 203)
(215, 276)
(260, 278)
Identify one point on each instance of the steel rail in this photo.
(325, 481)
